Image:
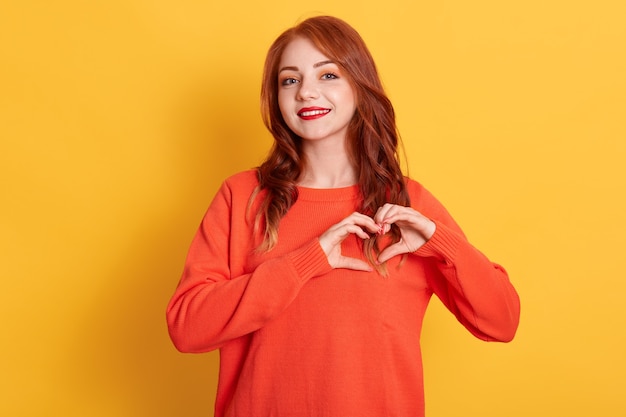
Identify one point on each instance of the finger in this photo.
(391, 214)
(382, 212)
(389, 252)
(354, 263)
(356, 230)
(400, 213)
(385, 228)
(336, 235)
(364, 221)
(414, 220)
(379, 218)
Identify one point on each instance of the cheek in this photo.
(346, 97)
(283, 104)
(353, 99)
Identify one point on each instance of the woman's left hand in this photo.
(415, 229)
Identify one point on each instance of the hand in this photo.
(415, 229)
(356, 224)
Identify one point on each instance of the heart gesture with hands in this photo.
(415, 230)
(356, 224)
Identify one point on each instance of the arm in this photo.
(210, 307)
(477, 291)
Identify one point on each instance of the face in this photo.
(315, 98)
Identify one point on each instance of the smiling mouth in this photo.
(308, 114)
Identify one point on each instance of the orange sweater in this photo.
(298, 338)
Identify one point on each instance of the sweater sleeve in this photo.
(210, 307)
(477, 291)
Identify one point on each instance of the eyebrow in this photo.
(316, 65)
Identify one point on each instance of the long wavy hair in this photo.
(372, 138)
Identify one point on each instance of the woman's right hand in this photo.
(356, 224)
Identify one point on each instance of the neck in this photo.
(326, 166)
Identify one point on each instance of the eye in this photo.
(288, 81)
(329, 76)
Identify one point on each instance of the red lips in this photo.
(311, 113)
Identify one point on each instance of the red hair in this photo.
(372, 135)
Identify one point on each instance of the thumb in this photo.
(354, 263)
(389, 252)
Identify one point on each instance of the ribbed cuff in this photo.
(442, 245)
(310, 261)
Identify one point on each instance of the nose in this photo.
(307, 90)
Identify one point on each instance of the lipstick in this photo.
(312, 113)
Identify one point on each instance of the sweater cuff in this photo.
(442, 245)
(310, 261)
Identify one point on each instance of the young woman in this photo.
(312, 273)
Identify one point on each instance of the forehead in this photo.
(301, 52)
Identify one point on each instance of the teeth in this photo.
(313, 113)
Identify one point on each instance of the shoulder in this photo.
(241, 183)
(417, 192)
(236, 189)
(425, 202)
(243, 178)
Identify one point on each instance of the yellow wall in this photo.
(119, 118)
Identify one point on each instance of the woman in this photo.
(312, 273)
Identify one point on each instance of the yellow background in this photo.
(120, 118)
